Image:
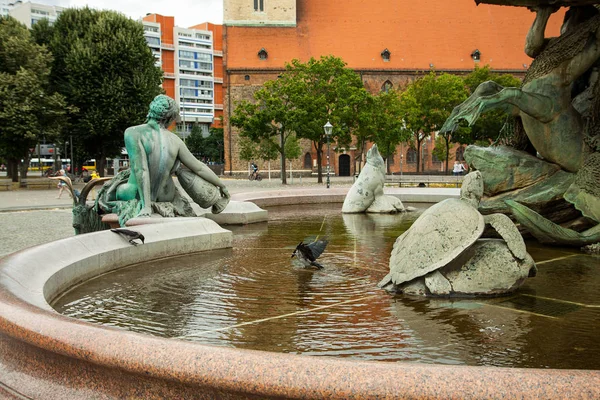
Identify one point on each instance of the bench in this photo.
(6, 184)
(423, 180)
(41, 183)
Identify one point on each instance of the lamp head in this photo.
(328, 128)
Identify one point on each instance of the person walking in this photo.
(458, 168)
(62, 185)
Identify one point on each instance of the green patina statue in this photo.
(155, 154)
(558, 105)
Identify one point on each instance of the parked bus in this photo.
(89, 165)
(34, 164)
(47, 164)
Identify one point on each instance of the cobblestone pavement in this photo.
(21, 229)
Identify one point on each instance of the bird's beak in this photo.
(293, 254)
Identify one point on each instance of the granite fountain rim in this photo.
(25, 315)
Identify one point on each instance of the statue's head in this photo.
(163, 110)
(471, 190)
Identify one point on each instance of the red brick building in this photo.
(388, 42)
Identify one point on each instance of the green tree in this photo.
(269, 119)
(103, 66)
(195, 142)
(440, 151)
(209, 148)
(489, 125)
(380, 122)
(325, 90)
(28, 110)
(427, 103)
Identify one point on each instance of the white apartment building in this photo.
(31, 13)
(194, 82)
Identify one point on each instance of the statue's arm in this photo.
(535, 41)
(139, 168)
(584, 60)
(200, 169)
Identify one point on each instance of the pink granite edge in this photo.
(274, 374)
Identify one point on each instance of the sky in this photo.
(186, 12)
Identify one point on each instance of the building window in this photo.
(435, 158)
(246, 77)
(259, 5)
(411, 156)
(385, 54)
(186, 54)
(460, 154)
(387, 86)
(152, 40)
(476, 55)
(390, 159)
(262, 54)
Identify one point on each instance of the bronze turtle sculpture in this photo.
(445, 238)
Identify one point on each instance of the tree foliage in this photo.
(325, 90)
(427, 103)
(103, 66)
(29, 112)
(209, 148)
(381, 123)
(299, 103)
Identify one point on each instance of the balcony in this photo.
(218, 53)
(169, 75)
(218, 80)
(218, 106)
(167, 46)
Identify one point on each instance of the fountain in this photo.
(45, 354)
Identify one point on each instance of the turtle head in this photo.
(472, 188)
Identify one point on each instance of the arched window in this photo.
(385, 55)
(387, 85)
(460, 154)
(262, 54)
(307, 161)
(434, 158)
(390, 159)
(411, 156)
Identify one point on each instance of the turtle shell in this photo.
(437, 237)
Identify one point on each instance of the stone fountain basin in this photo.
(45, 355)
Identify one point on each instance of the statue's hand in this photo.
(224, 192)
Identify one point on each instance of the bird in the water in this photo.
(129, 235)
(308, 253)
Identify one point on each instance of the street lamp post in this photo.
(328, 128)
(401, 158)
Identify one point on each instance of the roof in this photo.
(442, 34)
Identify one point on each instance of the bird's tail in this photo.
(316, 264)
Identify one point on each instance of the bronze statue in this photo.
(155, 154)
(559, 106)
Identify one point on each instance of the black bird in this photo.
(129, 235)
(308, 253)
